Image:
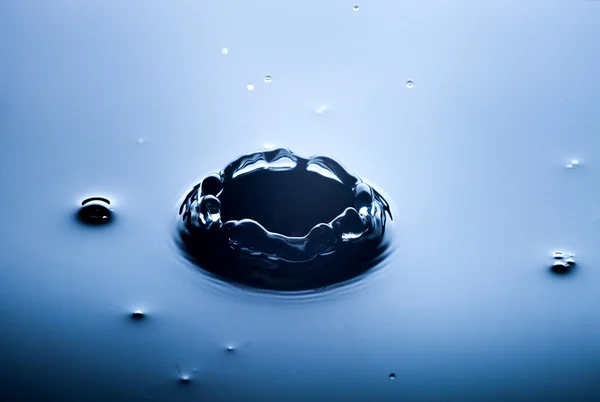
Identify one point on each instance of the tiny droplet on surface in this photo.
(557, 255)
(268, 78)
(138, 315)
(356, 7)
(410, 84)
(250, 87)
(392, 376)
(560, 267)
(230, 348)
(95, 210)
(225, 50)
(570, 261)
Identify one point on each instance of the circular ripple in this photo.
(274, 220)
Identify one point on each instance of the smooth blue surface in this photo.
(472, 158)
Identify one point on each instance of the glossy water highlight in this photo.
(274, 220)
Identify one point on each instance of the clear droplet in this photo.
(230, 348)
(570, 261)
(250, 87)
(558, 255)
(141, 140)
(356, 7)
(409, 84)
(392, 376)
(225, 50)
(268, 78)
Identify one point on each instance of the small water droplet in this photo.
(250, 87)
(392, 376)
(557, 255)
(95, 210)
(138, 315)
(560, 267)
(409, 84)
(185, 379)
(141, 140)
(268, 78)
(230, 348)
(570, 261)
(225, 50)
(356, 7)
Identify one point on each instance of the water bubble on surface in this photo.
(95, 211)
(225, 51)
(558, 255)
(268, 78)
(392, 376)
(410, 84)
(138, 315)
(230, 348)
(250, 87)
(570, 261)
(356, 7)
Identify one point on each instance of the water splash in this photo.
(269, 221)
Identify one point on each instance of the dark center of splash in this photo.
(289, 202)
(274, 220)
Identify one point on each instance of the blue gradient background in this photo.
(472, 158)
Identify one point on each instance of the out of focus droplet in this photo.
(268, 78)
(225, 50)
(250, 87)
(322, 109)
(409, 84)
(356, 7)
